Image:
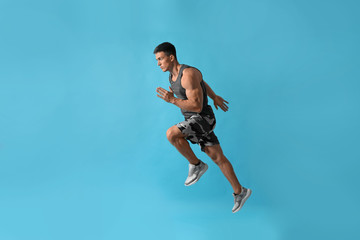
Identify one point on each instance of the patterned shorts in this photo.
(199, 130)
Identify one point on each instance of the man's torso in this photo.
(180, 92)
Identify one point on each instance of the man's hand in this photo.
(219, 101)
(166, 95)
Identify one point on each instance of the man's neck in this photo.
(175, 69)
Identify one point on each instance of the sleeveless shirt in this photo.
(180, 93)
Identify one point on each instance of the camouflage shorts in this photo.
(199, 130)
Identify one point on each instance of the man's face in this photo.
(163, 61)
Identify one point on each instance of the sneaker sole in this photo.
(245, 198)
(198, 178)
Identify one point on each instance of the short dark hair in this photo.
(167, 48)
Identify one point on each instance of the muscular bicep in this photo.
(194, 95)
(191, 82)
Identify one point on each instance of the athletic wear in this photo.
(240, 199)
(180, 93)
(199, 130)
(195, 172)
(198, 127)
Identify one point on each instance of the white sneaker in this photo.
(195, 172)
(240, 199)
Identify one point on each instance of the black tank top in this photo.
(180, 93)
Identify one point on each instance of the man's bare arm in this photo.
(209, 91)
(218, 101)
(191, 82)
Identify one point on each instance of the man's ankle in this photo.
(197, 164)
(238, 191)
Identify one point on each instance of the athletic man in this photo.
(191, 97)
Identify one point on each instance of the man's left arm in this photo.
(218, 101)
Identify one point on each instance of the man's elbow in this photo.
(198, 109)
(195, 106)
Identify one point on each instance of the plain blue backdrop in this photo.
(83, 150)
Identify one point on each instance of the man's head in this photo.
(165, 54)
(167, 48)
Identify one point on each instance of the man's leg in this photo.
(216, 154)
(177, 139)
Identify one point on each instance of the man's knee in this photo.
(169, 134)
(172, 133)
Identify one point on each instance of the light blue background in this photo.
(83, 151)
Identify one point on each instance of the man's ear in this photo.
(172, 57)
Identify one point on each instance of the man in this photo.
(192, 91)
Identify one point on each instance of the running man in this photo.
(191, 97)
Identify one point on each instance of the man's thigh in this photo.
(175, 132)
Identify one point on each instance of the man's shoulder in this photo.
(191, 78)
(192, 72)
